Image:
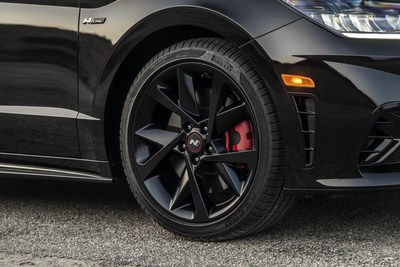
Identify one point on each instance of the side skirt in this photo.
(7, 169)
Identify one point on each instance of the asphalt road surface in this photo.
(56, 223)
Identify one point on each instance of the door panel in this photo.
(38, 77)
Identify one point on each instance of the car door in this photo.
(38, 77)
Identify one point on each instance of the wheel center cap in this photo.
(194, 143)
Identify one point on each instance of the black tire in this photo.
(216, 195)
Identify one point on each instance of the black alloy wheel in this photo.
(191, 142)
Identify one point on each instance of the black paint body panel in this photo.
(104, 48)
(353, 79)
(38, 68)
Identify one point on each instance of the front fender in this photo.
(103, 47)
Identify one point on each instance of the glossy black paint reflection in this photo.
(353, 78)
(67, 3)
(38, 68)
(96, 3)
(133, 25)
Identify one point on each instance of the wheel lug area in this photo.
(204, 130)
(196, 160)
(194, 141)
(188, 128)
(182, 147)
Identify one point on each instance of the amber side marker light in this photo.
(297, 81)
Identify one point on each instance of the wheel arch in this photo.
(142, 42)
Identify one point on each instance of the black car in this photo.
(219, 114)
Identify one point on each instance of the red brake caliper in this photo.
(239, 137)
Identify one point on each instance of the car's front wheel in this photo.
(201, 142)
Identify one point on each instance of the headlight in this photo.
(354, 18)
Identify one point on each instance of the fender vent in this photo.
(381, 147)
(306, 109)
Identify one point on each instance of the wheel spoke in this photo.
(168, 145)
(193, 102)
(158, 137)
(181, 193)
(156, 93)
(215, 102)
(247, 156)
(230, 177)
(200, 207)
(228, 117)
(187, 97)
